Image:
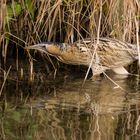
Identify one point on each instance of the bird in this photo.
(99, 54)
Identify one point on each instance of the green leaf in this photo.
(13, 9)
(30, 7)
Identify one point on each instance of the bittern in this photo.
(105, 54)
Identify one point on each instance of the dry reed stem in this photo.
(31, 71)
(137, 39)
(5, 78)
(96, 44)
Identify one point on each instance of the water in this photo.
(61, 109)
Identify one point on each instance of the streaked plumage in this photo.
(107, 54)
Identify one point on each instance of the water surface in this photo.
(63, 109)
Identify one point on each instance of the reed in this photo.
(32, 21)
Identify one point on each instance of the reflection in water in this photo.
(63, 109)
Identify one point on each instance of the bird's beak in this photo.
(35, 47)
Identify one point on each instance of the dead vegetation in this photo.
(31, 21)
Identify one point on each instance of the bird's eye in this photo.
(83, 49)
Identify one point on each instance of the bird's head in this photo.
(47, 48)
(67, 53)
